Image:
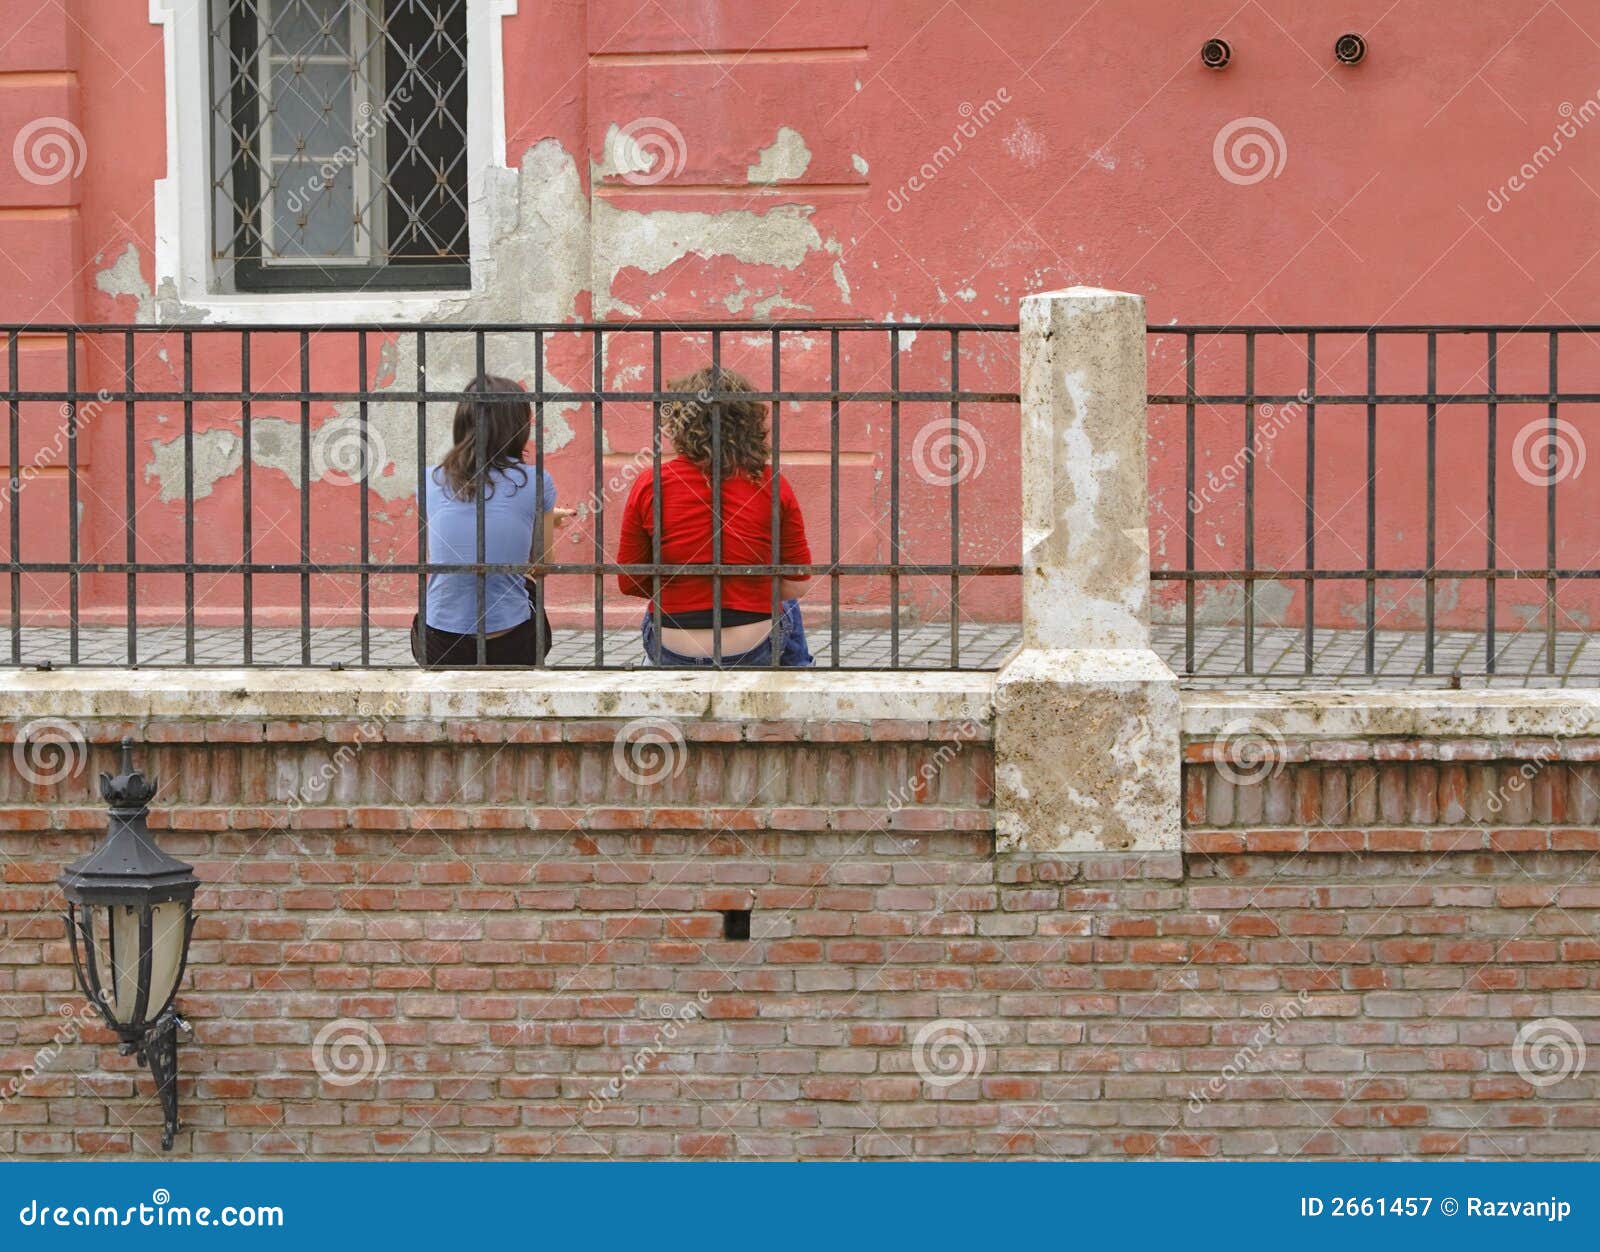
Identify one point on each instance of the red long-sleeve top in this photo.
(686, 536)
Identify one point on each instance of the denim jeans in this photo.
(792, 650)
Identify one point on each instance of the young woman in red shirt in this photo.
(738, 429)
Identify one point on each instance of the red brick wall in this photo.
(542, 958)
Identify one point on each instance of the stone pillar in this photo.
(1087, 752)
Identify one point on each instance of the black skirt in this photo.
(527, 644)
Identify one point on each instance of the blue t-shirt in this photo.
(509, 516)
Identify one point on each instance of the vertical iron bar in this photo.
(129, 488)
(894, 498)
(305, 500)
(1550, 516)
(188, 495)
(480, 469)
(72, 496)
(541, 641)
(245, 546)
(716, 497)
(1431, 587)
(423, 555)
(833, 493)
(1249, 501)
(1372, 502)
(655, 494)
(1492, 586)
(1311, 500)
(361, 503)
(1189, 502)
(955, 498)
(599, 371)
(775, 656)
(16, 491)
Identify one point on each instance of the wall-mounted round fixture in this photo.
(1215, 53)
(1350, 49)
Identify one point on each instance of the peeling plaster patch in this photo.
(859, 162)
(1103, 159)
(784, 159)
(907, 338)
(967, 294)
(621, 154)
(840, 281)
(763, 308)
(125, 278)
(1026, 145)
(1223, 604)
(652, 241)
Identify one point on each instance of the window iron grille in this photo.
(339, 144)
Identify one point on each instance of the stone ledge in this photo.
(399, 697)
(1565, 713)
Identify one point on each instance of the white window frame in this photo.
(183, 200)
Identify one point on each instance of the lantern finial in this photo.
(129, 791)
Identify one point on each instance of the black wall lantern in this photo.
(1215, 54)
(129, 918)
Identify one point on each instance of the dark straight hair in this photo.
(505, 421)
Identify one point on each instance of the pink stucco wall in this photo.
(1394, 203)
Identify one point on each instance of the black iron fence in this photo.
(256, 495)
(1361, 501)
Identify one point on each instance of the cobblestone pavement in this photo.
(1219, 653)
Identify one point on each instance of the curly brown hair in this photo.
(743, 423)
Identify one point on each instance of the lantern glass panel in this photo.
(168, 922)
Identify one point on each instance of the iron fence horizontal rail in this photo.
(1478, 389)
(581, 382)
